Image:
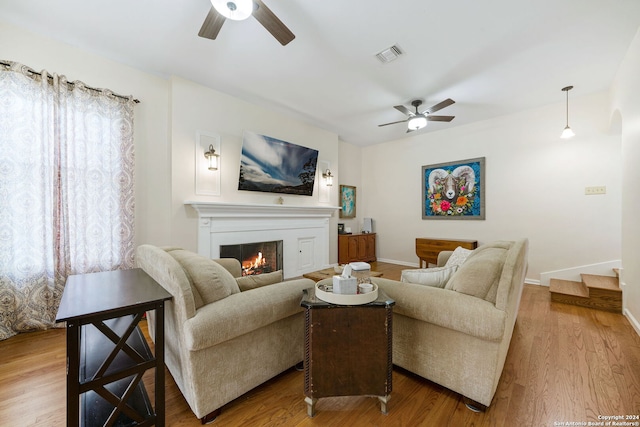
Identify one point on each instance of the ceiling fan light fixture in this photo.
(236, 10)
(417, 122)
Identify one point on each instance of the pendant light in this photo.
(567, 132)
(236, 10)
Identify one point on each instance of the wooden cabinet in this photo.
(107, 354)
(428, 248)
(356, 247)
(335, 363)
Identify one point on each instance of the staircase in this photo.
(599, 292)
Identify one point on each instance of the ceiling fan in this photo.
(239, 10)
(418, 120)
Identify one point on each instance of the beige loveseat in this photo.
(221, 342)
(458, 336)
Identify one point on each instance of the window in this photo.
(66, 190)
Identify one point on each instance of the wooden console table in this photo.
(106, 351)
(428, 248)
(356, 247)
(348, 349)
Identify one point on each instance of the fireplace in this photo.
(304, 231)
(255, 258)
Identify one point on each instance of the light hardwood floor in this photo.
(565, 364)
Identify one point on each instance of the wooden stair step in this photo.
(568, 287)
(609, 283)
(599, 292)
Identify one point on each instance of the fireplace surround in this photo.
(304, 231)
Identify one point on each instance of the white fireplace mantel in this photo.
(221, 210)
(304, 231)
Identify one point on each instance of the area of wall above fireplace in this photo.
(304, 231)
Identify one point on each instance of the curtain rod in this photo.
(7, 64)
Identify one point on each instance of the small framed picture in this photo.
(347, 201)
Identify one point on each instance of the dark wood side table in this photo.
(106, 351)
(347, 349)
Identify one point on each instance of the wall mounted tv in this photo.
(274, 166)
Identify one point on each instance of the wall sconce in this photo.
(567, 132)
(212, 158)
(328, 177)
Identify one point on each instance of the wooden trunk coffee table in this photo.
(347, 349)
(327, 273)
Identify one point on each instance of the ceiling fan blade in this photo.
(404, 110)
(439, 118)
(394, 123)
(212, 24)
(270, 21)
(439, 106)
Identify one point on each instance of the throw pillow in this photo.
(246, 283)
(208, 278)
(479, 273)
(459, 256)
(436, 277)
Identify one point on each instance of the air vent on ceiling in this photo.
(389, 54)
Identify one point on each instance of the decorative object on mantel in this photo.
(453, 190)
(271, 165)
(567, 132)
(280, 201)
(348, 201)
(207, 163)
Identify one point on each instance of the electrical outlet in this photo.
(589, 191)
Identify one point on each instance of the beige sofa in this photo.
(458, 336)
(221, 342)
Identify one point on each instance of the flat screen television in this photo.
(274, 166)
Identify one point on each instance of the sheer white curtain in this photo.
(66, 190)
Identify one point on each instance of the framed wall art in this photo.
(454, 190)
(347, 201)
(274, 166)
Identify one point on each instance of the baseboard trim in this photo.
(634, 322)
(394, 261)
(573, 273)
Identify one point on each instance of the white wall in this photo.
(535, 182)
(150, 118)
(351, 174)
(626, 103)
(166, 121)
(535, 186)
(197, 108)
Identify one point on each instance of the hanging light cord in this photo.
(567, 89)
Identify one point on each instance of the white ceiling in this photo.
(493, 57)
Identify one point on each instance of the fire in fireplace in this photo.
(255, 258)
